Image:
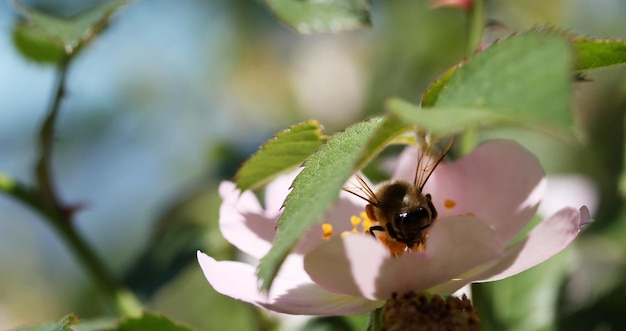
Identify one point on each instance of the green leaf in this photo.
(432, 92)
(322, 16)
(443, 121)
(591, 53)
(388, 132)
(45, 38)
(286, 150)
(63, 325)
(98, 324)
(150, 322)
(527, 76)
(596, 53)
(315, 190)
(36, 46)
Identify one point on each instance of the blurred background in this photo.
(174, 95)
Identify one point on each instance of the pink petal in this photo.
(360, 266)
(290, 296)
(568, 190)
(463, 4)
(276, 191)
(243, 223)
(339, 217)
(480, 272)
(546, 240)
(500, 182)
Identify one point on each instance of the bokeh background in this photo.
(174, 95)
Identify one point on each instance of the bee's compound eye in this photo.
(418, 216)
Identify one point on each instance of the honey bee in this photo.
(401, 208)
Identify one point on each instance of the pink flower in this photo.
(484, 201)
(463, 4)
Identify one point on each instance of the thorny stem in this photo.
(46, 202)
(48, 195)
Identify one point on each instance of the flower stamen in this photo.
(449, 204)
(327, 231)
(367, 222)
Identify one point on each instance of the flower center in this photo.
(422, 311)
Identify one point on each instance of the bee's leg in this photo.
(391, 231)
(375, 228)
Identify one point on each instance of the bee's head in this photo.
(412, 224)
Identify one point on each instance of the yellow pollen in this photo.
(355, 223)
(449, 204)
(395, 248)
(367, 222)
(327, 230)
(471, 214)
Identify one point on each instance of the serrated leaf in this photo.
(596, 53)
(150, 322)
(432, 92)
(388, 132)
(322, 16)
(63, 325)
(288, 149)
(591, 53)
(443, 121)
(440, 122)
(526, 76)
(315, 190)
(48, 33)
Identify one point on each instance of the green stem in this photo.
(374, 323)
(43, 168)
(475, 26)
(60, 216)
(469, 140)
(125, 301)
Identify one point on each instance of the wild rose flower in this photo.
(463, 4)
(484, 201)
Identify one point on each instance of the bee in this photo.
(401, 209)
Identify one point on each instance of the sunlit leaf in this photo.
(42, 37)
(322, 16)
(36, 46)
(389, 131)
(591, 53)
(315, 190)
(595, 53)
(98, 324)
(522, 80)
(432, 92)
(526, 76)
(286, 150)
(65, 324)
(443, 121)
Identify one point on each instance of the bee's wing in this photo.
(362, 190)
(427, 161)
